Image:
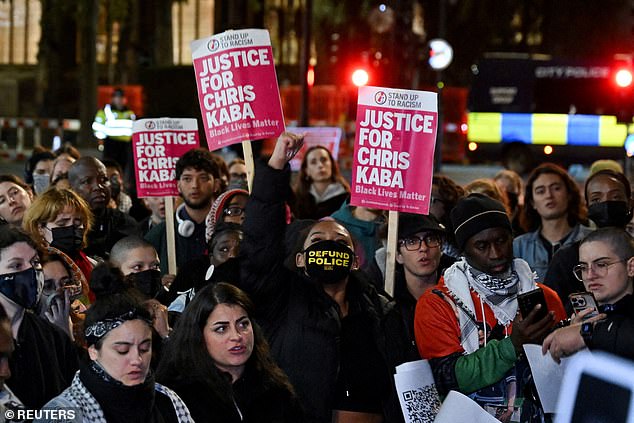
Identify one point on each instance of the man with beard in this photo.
(468, 325)
(609, 200)
(198, 179)
(88, 178)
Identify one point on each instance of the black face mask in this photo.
(328, 262)
(23, 288)
(68, 239)
(610, 213)
(148, 282)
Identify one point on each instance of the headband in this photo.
(100, 328)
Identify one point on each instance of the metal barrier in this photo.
(17, 127)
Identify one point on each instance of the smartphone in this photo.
(583, 300)
(528, 300)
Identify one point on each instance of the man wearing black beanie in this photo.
(468, 327)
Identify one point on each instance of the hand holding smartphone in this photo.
(582, 301)
(528, 300)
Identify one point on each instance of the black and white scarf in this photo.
(79, 398)
(498, 293)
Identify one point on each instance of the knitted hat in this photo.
(410, 224)
(215, 213)
(475, 213)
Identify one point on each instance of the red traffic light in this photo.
(623, 78)
(360, 77)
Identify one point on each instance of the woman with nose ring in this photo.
(116, 384)
(218, 362)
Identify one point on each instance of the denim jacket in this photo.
(530, 247)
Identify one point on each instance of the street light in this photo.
(360, 77)
(623, 78)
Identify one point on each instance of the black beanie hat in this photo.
(475, 213)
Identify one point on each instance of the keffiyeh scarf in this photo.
(500, 294)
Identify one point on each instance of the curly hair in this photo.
(199, 159)
(530, 220)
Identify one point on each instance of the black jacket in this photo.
(301, 322)
(107, 230)
(248, 400)
(615, 334)
(43, 363)
(560, 277)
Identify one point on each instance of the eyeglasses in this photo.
(233, 211)
(600, 269)
(413, 243)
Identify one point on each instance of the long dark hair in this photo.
(185, 358)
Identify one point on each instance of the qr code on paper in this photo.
(421, 405)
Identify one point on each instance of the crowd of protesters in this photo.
(278, 310)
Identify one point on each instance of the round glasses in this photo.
(599, 268)
(413, 243)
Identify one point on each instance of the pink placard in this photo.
(394, 149)
(156, 145)
(237, 87)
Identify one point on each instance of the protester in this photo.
(135, 256)
(323, 321)
(445, 193)
(139, 264)
(468, 326)
(224, 245)
(44, 359)
(553, 218)
(606, 268)
(59, 172)
(38, 170)
(199, 185)
(157, 208)
(15, 199)
(228, 207)
(8, 400)
(320, 189)
(609, 200)
(364, 225)
(62, 287)
(89, 179)
(419, 265)
(118, 199)
(511, 184)
(219, 362)
(60, 220)
(238, 174)
(116, 384)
